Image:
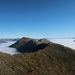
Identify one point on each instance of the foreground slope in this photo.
(54, 59)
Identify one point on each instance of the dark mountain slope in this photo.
(31, 47)
(23, 41)
(27, 45)
(54, 59)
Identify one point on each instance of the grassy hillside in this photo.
(54, 59)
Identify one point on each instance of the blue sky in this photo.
(37, 18)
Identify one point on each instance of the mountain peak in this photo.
(27, 45)
(43, 40)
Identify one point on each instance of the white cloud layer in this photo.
(4, 47)
(66, 42)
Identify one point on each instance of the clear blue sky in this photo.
(37, 18)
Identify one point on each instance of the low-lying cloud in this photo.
(4, 47)
(66, 42)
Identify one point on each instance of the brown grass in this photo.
(54, 59)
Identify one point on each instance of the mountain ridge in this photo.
(54, 59)
(26, 45)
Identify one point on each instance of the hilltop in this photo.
(27, 45)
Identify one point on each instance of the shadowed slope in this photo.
(27, 45)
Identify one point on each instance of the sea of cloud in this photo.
(4, 47)
(66, 42)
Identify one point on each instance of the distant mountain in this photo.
(2, 41)
(8, 39)
(27, 45)
(50, 59)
